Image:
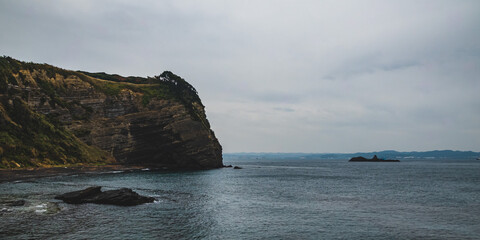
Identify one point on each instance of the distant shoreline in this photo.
(370, 160)
(387, 154)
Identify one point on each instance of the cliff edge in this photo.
(53, 117)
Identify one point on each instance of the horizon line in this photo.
(352, 152)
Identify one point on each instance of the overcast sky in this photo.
(282, 76)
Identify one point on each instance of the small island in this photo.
(374, 159)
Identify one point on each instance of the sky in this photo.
(314, 76)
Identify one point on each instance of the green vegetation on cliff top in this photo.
(31, 139)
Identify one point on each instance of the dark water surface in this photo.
(267, 199)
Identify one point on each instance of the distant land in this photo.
(388, 154)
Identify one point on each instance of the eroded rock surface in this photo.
(121, 197)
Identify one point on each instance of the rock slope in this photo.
(51, 116)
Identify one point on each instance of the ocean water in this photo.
(267, 199)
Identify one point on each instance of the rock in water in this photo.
(121, 197)
(374, 159)
(81, 196)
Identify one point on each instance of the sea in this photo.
(266, 199)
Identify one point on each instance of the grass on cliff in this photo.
(28, 139)
(150, 88)
(164, 86)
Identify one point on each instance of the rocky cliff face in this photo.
(156, 121)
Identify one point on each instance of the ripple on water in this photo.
(336, 200)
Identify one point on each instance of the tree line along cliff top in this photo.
(165, 85)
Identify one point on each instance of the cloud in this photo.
(284, 109)
(313, 76)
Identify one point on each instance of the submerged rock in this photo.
(16, 203)
(237, 167)
(121, 197)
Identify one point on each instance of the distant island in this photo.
(374, 159)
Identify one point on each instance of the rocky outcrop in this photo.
(374, 159)
(121, 197)
(157, 122)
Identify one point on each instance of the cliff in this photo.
(50, 116)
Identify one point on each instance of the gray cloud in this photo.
(313, 76)
(284, 109)
(277, 97)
